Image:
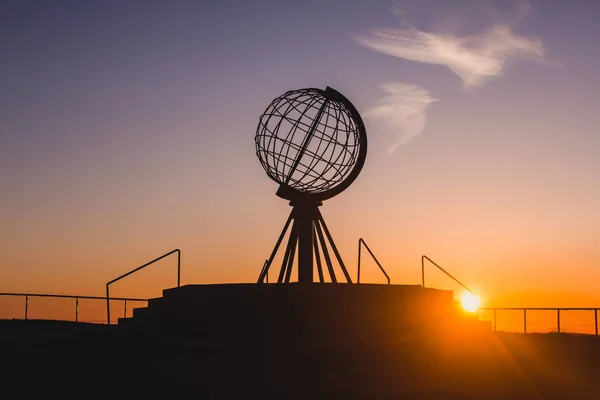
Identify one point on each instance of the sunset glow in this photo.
(470, 302)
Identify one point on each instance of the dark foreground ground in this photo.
(48, 359)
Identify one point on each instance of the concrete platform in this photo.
(301, 312)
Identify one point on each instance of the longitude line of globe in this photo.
(316, 155)
(272, 138)
(309, 102)
(330, 139)
(306, 140)
(297, 181)
(275, 105)
(333, 163)
(292, 132)
(290, 104)
(261, 146)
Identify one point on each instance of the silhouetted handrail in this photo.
(361, 241)
(423, 258)
(557, 309)
(139, 268)
(70, 296)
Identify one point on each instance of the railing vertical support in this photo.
(125, 309)
(423, 271)
(358, 265)
(178, 268)
(26, 306)
(596, 320)
(76, 309)
(524, 320)
(494, 320)
(107, 305)
(558, 320)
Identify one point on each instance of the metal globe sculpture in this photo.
(313, 143)
(310, 140)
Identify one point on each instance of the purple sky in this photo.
(126, 129)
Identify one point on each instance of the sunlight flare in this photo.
(470, 302)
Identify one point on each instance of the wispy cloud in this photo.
(402, 109)
(474, 58)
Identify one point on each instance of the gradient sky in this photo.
(127, 130)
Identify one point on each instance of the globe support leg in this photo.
(290, 252)
(318, 256)
(325, 252)
(308, 233)
(333, 247)
(265, 269)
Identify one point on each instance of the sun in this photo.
(470, 302)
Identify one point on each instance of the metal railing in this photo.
(136, 270)
(525, 309)
(424, 257)
(77, 298)
(361, 242)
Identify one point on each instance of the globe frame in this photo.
(290, 193)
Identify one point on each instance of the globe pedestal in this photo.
(310, 237)
(306, 217)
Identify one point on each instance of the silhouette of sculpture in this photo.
(313, 143)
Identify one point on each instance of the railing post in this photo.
(26, 306)
(178, 268)
(494, 320)
(558, 320)
(423, 271)
(596, 320)
(358, 265)
(125, 309)
(76, 309)
(107, 305)
(524, 320)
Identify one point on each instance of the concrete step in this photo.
(139, 312)
(126, 322)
